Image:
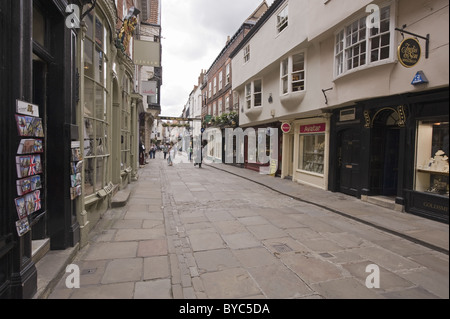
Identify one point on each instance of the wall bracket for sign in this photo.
(426, 38)
(324, 91)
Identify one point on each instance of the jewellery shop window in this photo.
(432, 157)
(312, 153)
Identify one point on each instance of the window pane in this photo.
(99, 65)
(99, 32)
(99, 173)
(88, 59)
(298, 62)
(99, 106)
(313, 153)
(89, 176)
(384, 53)
(285, 85)
(89, 138)
(100, 137)
(88, 98)
(90, 25)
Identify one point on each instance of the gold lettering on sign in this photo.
(409, 52)
(435, 206)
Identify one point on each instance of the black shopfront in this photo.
(38, 81)
(395, 147)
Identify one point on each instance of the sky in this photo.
(194, 32)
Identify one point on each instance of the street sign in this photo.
(419, 78)
(286, 128)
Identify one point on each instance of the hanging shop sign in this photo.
(286, 128)
(149, 88)
(409, 52)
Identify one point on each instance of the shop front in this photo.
(308, 149)
(39, 123)
(109, 115)
(395, 148)
(263, 149)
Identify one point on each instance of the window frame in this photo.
(126, 143)
(287, 74)
(228, 73)
(246, 53)
(220, 80)
(250, 94)
(282, 21)
(342, 48)
(96, 127)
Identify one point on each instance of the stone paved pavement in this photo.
(189, 233)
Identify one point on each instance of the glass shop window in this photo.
(312, 153)
(432, 157)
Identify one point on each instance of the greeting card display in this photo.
(76, 154)
(76, 167)
(29, 126)
(21, 208)
(33, 202)
(28, 165)
(30, 146)
(22, 226)
(28, 185)
(75, 192)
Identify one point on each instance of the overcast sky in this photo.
(194, 33)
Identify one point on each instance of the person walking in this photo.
(152, 151)
(141, 154)
(169, 160)
(165, 150)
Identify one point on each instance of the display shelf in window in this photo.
(432, 172)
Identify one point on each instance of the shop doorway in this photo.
(385, 138)
(349, 162)
(41, 60)
(289, 172)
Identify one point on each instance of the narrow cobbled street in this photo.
(190, 233)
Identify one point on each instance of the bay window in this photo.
(96, 115)
(356, 46)
(292, 74)
(126, 125)
(253, 94)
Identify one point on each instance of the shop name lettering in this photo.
(435, 206)
(73, 19)
(312, 128)
(410, 53)
(227, 309)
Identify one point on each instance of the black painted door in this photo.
(349, 162)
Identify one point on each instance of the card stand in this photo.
(28, 164)
(76, 166)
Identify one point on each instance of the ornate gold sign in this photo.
(409, 52)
